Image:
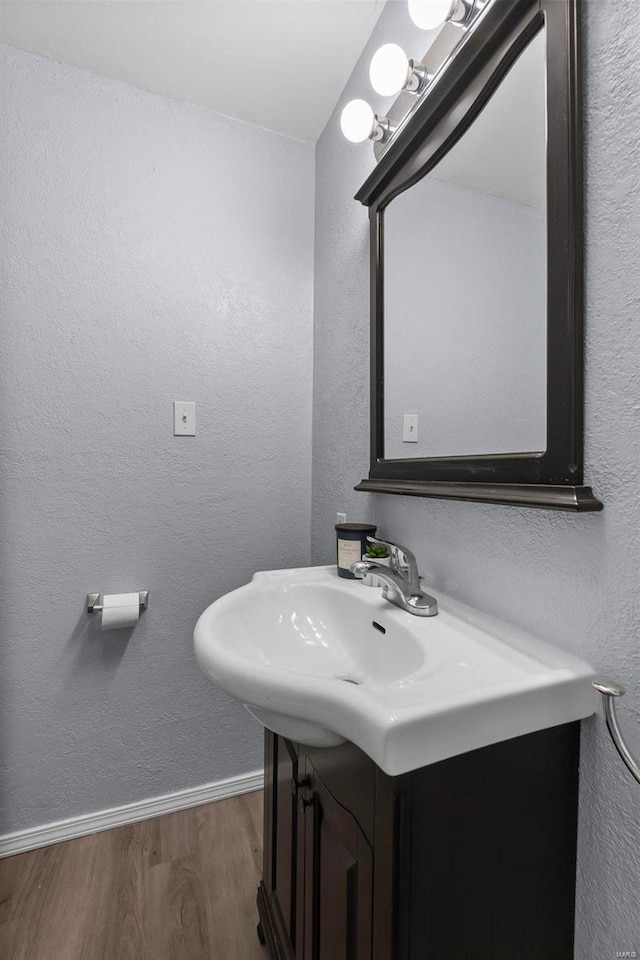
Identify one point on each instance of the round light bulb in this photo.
(357, 121)
(389, 70)
(429, 14)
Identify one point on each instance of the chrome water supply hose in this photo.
(610, 691)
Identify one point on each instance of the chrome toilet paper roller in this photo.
(118, 609)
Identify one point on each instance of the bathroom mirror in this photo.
(465, 285)
(476, 260)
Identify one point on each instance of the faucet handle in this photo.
(410, 564)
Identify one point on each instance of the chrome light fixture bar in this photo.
(391, 72)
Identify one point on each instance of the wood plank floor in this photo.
(178, 887)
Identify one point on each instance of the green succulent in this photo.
(376, 551)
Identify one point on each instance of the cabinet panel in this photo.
(493, 851)
(338, 881)
(349, 774)
(336, 892)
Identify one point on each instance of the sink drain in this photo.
(356, 683)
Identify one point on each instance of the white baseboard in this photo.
(34, 837)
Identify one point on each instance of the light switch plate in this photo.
(410, 428)
(184, 418)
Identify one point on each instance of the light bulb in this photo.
(389, 70)
(357, 121)
(429, 14)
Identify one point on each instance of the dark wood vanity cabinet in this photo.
(473, 857)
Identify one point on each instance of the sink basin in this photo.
(321, 660)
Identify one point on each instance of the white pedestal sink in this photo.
(320, 660)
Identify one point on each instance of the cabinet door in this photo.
(338, 880)
(284, 876)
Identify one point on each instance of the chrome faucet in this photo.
(401, 581)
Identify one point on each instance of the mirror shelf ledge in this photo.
(574, 499)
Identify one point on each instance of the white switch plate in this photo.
(184, 419)
(341, 518)
(410, 428)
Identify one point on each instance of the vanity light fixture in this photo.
(392, 71)
(431, 14)
(359, 123)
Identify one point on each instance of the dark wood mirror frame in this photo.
(553, 479)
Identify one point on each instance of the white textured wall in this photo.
(572, 580)
(150, 251)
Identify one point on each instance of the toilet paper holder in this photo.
(94, 601)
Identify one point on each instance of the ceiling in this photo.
(281, 64)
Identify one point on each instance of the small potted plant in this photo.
(378, 553)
